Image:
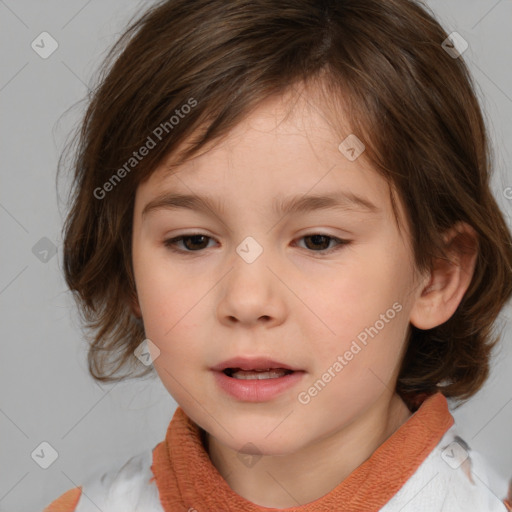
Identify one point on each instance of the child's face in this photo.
(305, 301)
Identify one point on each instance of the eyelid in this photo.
(170, 243)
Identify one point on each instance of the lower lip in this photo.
(257, 390)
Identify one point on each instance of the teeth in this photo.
(271, 373)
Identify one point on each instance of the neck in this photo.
(316, 469)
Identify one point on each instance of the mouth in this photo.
(256, 379)
(268, 373)
(248, 368)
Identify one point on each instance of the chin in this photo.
(251, 441)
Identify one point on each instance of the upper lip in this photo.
(248, 363)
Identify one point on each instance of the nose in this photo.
(252, 294)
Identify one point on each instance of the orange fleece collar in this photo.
(187, 479)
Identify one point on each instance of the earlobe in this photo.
(443, 289)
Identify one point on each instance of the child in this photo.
(224, 141)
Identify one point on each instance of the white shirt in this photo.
(440, 484)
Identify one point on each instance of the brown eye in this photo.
(320, 243)
(192, 243)
(196, 242)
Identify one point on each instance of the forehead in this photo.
(287, 146)
(291, 120)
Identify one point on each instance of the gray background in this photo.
(46, 392)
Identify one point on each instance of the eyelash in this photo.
(172, 242)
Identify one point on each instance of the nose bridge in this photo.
(250, 270)
(250, 291)
(250, 250)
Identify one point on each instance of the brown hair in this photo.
(410, 102)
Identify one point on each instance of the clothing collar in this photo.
(187, 480)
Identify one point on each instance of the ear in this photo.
(449, 279)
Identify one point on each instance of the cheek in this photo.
(164, 294)
(364, 311)
(170, 318)
(166, 311)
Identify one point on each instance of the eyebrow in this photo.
(344, 201)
